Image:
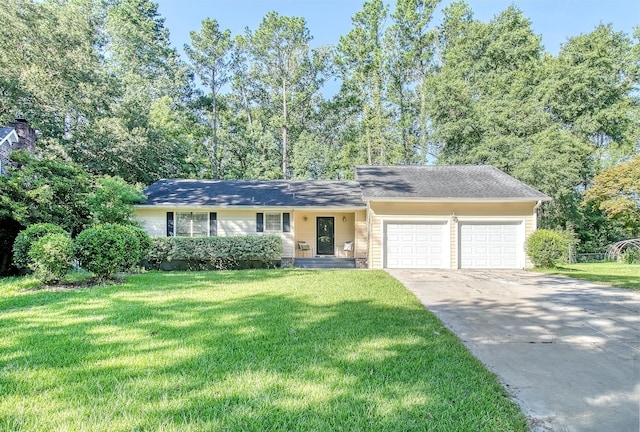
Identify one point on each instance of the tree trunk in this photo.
(214, 127)
(284, 129)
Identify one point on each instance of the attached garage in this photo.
(496, 245)
(417, 245)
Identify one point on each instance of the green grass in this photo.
(245, 350)
(608, 273)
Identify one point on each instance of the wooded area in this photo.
(109, 94)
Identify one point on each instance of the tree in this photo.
(616, 191)
(112, 200)
(51, 66)
(285, 73)
(209, 56)
(46, 190)
(359, 59)
(590, 90)
(144, 133)
(410, 55)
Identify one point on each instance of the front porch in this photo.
(327, 233)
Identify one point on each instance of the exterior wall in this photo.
(230, 223)
(444, 211)
(353, 228)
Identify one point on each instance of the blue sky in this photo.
(555, 20)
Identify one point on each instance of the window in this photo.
(273, 222)
(192, 224)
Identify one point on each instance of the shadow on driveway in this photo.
(567, 350)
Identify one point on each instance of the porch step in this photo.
(325, 263)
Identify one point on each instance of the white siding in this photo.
(230, 223)
(153, 221)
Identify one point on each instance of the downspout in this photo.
(535, 215)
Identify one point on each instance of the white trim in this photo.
(13, 134)
(460, 199)
(165, 207)
(488, 220)
(413, 219)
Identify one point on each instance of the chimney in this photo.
(26, 135)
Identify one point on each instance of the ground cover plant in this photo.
(608, 273)
(239, 350)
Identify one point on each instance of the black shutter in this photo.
(286, 222)
(170, 224)
(213, 224)
(259, 222)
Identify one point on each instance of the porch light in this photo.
(454, 218)
(344, 218)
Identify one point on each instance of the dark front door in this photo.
(326, 239)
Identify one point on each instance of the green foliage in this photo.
(631, 256)
(210, 59)
(51, 257)
(215, 252)
(109, 248)
(46, 190)
(616, 190)
(27, 237)
(547, 248)
(112, 200)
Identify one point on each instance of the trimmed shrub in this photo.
(51, 257)
(222, 253)
(27, 237)
(547, 248)
(109, 248)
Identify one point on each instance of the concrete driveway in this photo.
(567, 350)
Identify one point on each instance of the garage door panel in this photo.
(490, 245)
(415, 245)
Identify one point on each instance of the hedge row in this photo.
(222, 253)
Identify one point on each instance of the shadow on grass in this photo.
(243, 351)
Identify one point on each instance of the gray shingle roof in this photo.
(251, 193)
(442, 182)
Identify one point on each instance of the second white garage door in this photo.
(489, 246)
(417, 245)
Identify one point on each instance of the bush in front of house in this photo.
(222, 253)
(27, 237)
(51, 257)
(109, 248)
(548, 248)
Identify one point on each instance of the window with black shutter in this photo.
(170, 224)
(213, 224)
(286, 222)
(259, 222)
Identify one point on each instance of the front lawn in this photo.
(608, 273)
(245, 350)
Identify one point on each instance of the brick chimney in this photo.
(26, 136)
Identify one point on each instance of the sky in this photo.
(327, 20)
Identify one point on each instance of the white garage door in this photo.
(411, 245)
(489, 246)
